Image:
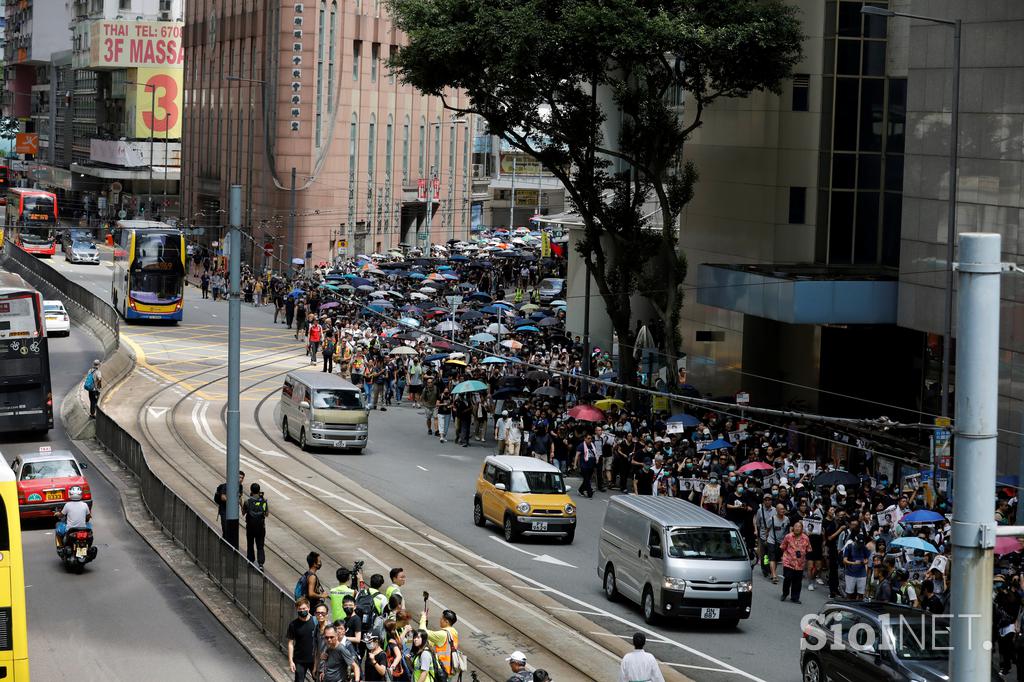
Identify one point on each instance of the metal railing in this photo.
(267, 604)
(54, 285)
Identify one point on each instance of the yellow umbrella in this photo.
(455, 362)
(606, 403)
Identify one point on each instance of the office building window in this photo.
(389, 146)
(357, 47)
(353, 144)
(436, 132)
(330, 54)
(423, 145)
(797, 205)
(124, 4)
(371, 148)
(405, 150)
(801, 92)
(374, 58)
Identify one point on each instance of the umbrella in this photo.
(471, 386)
(449, 326)
(527, 328)
(417, 296)
(606, 403)
(718, 444)
(510, 343)
(549, 322)
(347, 287)
(409, 322)
(442, 345)
(495, 328)
(835, 478)
(922, 516)
(365, 288)
(492, 361)
(329, 287)
(914, 543)
(528, 307)
(549, 391)
(755, 466)
(407, 336)
(686, 420)
(378, 294)
(1006, 544)
(329, 305)
(587, 413)
(483, 337)
(380, 306)
(457, 259)
(428, 290)
(506, 392)
(538, 375)
(453, 361)
(479, 296)
(296, 293)
(558, 302)
(403, 350)
(435, 357)
(471, 315)
(416, 275)
(360, 281)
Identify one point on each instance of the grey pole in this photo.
(586, 323)
(512, 202)
(954, 128)
(291, 226)
(234, 359)
(977, 400)
(152, 122)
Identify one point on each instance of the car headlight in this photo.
(523, 508)
(316, 425)
(745, 586)
(674, 584)
(570, 509)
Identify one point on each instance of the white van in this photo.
(674, 558)
(319, 409)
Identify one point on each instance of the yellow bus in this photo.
(13, 624)
(149, 271)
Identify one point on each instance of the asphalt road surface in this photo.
(128, 616)
(435, 482)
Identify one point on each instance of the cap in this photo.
(95, 363)
(516, 657)
(840, 489)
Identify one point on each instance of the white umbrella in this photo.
(403, 350)
(449, 326)
(378, 294)
(417, 296)
(495, 328)
(428, 290)
(409, 322)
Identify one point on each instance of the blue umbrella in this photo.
(380, 306)
(479, 296)
(296, 293)
(442, 268)
(459, 259)
(471, 386)
(416, 275)
(715, 445)
(409, 322)
(923, 516)
(483, 337)
(527, 328)
(914, 543)
(686, 420)
(492, 361)
(435, 356)
(360, 282)
(490, 309)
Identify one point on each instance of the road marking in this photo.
(607, 614)
(384, 525)
(544, 558)
(693, 667)
(274, 490)
(157, 412)
(422, 468)
(268, 453)
(460, 458)
(323, 523)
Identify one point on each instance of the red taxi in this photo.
(44, 478)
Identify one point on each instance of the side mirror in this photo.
(499, 486)
(568, 489)
(83, 465)
(656, 552)
(304, 405)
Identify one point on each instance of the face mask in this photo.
(739, 490)
(303, 613)
(689, 465)
(732, 479)
(775, 492)
(732, 468)
(349, 610)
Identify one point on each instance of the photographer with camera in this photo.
(350, 581)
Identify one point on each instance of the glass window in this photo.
(845, 130)
(715, 544)
(54, 468)
(874, 26)
(389, 146)
(869, 171)
(156, 287)
(848, 57)
(843, 170)
(423, 145)
(158, 251)
(436, 132)
(849, 19)
(374, 58)
(371, 146)
(872, 106)
(797, 205)
(538, 482)
(865, 248)
(654, 538)
(405, 150)
(897, 113)
(338, 400)
(451, 149)
(840, 234)
(357, 47)
(353, 144)
(874, 58)
(894, 172)
(489, 473)
(801, 92)
(892, 221)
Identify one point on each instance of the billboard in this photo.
(157, 102)
(116, 44)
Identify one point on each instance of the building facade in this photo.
(314, 106)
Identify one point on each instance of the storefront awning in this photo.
(160, 173)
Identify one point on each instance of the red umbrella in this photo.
(587, 413)
(755, 466)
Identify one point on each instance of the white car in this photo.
(57, 321)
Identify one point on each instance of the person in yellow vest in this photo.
(518, 296)
(342, 590)
(397, 581)
(535, 295)
(443, 641)
(379, 600)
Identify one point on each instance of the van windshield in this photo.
(721, 544)
(537, 482)
(338, 400)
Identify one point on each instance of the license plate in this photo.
(80, 552)
(539, 525)
(339, 443)
(709, 614)
(55, 495)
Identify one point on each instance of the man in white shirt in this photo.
(640, 666)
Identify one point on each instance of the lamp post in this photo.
(954, 131)
(152, 110)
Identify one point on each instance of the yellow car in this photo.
(524, 496)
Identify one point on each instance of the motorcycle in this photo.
(77, 549)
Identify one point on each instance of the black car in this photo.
(861, 641)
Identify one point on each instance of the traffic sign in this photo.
(26, 143)
(742, 398)
(122, 214)
(453, 301)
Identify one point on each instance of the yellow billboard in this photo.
(157, 102)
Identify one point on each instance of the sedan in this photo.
(44, 479)
(82, 252)
(57, 321)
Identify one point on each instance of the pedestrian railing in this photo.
(54, 285)
(267, 604)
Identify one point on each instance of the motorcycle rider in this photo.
(74, 514)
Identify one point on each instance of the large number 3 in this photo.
(166, 101)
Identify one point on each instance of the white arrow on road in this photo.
(157, 412)
(545, 558)
(268, 453)
(459, 458)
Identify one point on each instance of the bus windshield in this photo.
(158, 251)
(35, 238)
(37, 208)
(156, 287)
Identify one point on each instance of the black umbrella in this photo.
(549, 391)
(827, 478)
(507, 392)
(511, 381)
(537, 375)
(549, 322)
(471, 315)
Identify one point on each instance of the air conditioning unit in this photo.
(165, 16)
(298, 8)
(478, 170)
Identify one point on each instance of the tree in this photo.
(545, 73)
(9, 128)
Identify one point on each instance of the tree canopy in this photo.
(546, 75)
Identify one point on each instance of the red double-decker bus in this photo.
(32, 220)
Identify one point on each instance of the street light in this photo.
(954, 129)
(431, 172)
(152, 110)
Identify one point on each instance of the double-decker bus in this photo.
(149, 270)
(14, 634)
(26, 402)
(32, 220)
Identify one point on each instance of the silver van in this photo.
(675, 559)
(551, 288)
(323, 410)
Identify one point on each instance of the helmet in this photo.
(75, 493)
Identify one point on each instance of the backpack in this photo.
(365, 609)
(90, 380)
(300, 586)
(439, 673)
(256, 509)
